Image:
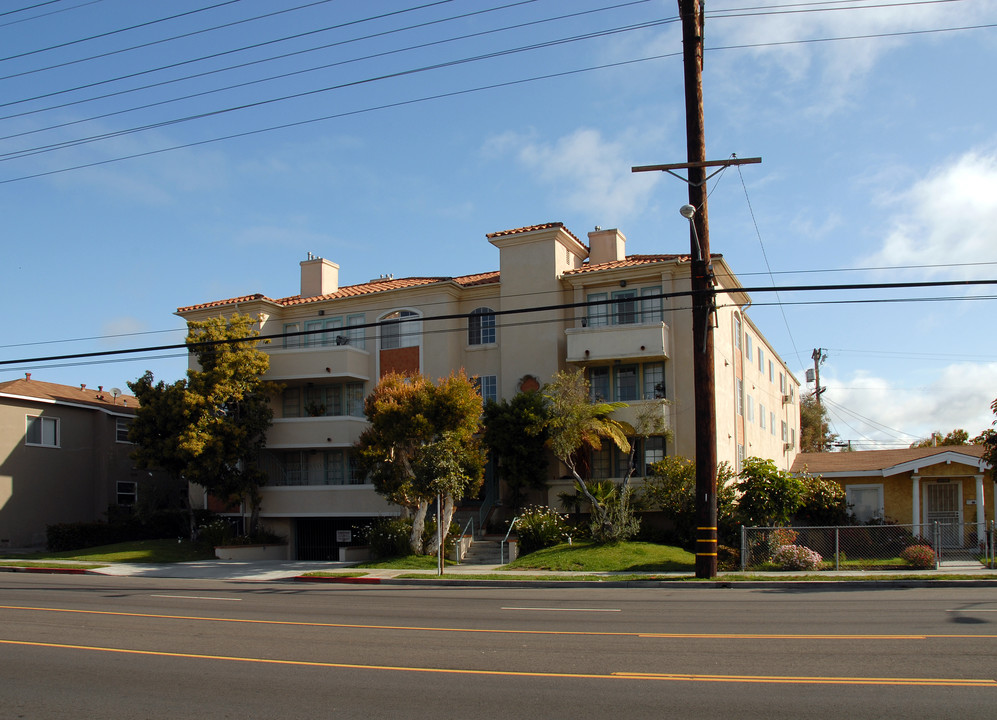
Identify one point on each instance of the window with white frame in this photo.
(772, 422)
(487, 387)
(761, 416)
(399, 329)
(737, 331)
(41, 431)
(747, 347)
(751, 408)
(865, 501)
(761, 360)
(481, 326)
(127, 491)
(771, 372)
(785, 431)
(598, 314)
(739, 396)
(121, 428)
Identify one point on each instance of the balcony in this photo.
(315, 432)
(344, 361)
(629, 414)
(617, 342)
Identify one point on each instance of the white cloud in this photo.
(871, 409)
(947, 217)
(583, 171)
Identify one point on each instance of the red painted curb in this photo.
(347, 580)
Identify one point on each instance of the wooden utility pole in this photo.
(703, 299)
(819, 356)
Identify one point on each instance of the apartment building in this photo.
(555, 302)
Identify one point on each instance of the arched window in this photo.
(481, 326)
(398, 330)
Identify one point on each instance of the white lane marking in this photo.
(197, 597)
(542, 609)
(972, 610)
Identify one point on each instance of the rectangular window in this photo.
(625, 307)
(751, 409)
(598, 315)
(625, 383)
(354, 400)
(740, 457)
(650, 306)
(599, 384)
(127, 492)
(785, 431)
(601, 461)
(771, 372)
(315, 402)
(737, 331)
(654, 381)
(335, 468)
(761, 360)
(295, 341)
(761, 415)
(782, 383)
(739, 400)
(315, 338)
(121, 428)
(487, 387)
(354, 333)
(865, 501)
(772, 422)
(292, 402)
(42, 431)
(747, 347)
(654, 451)
(334, 400)
(295, 468)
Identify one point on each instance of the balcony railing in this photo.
(611, 342)
(332, 361)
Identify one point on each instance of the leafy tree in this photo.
(210, 427)
(767, 496)
(815, 432)
(516, 436)
(989, 439)
(576, 424)
(422, 441)
(671, 488)
(823, 503)
(956, 437)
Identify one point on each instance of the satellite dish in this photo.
(115, 392)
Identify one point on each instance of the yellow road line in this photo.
(486, 631)
(674, 677)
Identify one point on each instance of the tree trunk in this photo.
(418, 525)
(448, 508)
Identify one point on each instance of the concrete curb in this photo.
(45, 570)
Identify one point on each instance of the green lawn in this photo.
(406, 562)
(638, 557)
(140, 551)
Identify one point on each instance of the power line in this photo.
(512, 312)
(51, 12)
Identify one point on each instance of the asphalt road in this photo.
(101, 647)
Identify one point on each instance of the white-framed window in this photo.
(761, 360)
(481, 326)
(650, 305)
(747, 347)
(598, 315)
(772, 422)
(782, 383)
(737, 331)
(761, 416)
(487, 387)
(41, 431)
(127, 491)
(625, 383)
(740, 457)
(399, 329)
(865, 501)
(771, 372)
(355, 335)
(121, 428)
(751, 408)
(739, 393)
(785, 431)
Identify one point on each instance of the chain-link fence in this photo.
(867, 547)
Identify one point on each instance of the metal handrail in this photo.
(506, 540)
(460, 538)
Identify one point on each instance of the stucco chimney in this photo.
(318, 277)
(606, 246)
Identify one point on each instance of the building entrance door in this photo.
(942, 505)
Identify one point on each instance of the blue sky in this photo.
(879, 165)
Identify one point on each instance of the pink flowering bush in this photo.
(919, 556)
(796, 557)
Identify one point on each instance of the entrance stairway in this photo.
(484, 551)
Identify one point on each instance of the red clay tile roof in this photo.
(534, 228)
(374, 286)
(872, 460)
(629, 261)
(69, 394)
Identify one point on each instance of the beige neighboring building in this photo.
(64, 457)
(611, 314)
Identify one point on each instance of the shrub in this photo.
(540, 527)
(919, 556)
(796, 557)
(387, 537)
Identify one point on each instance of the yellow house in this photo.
(555, 302)
(948, 485)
